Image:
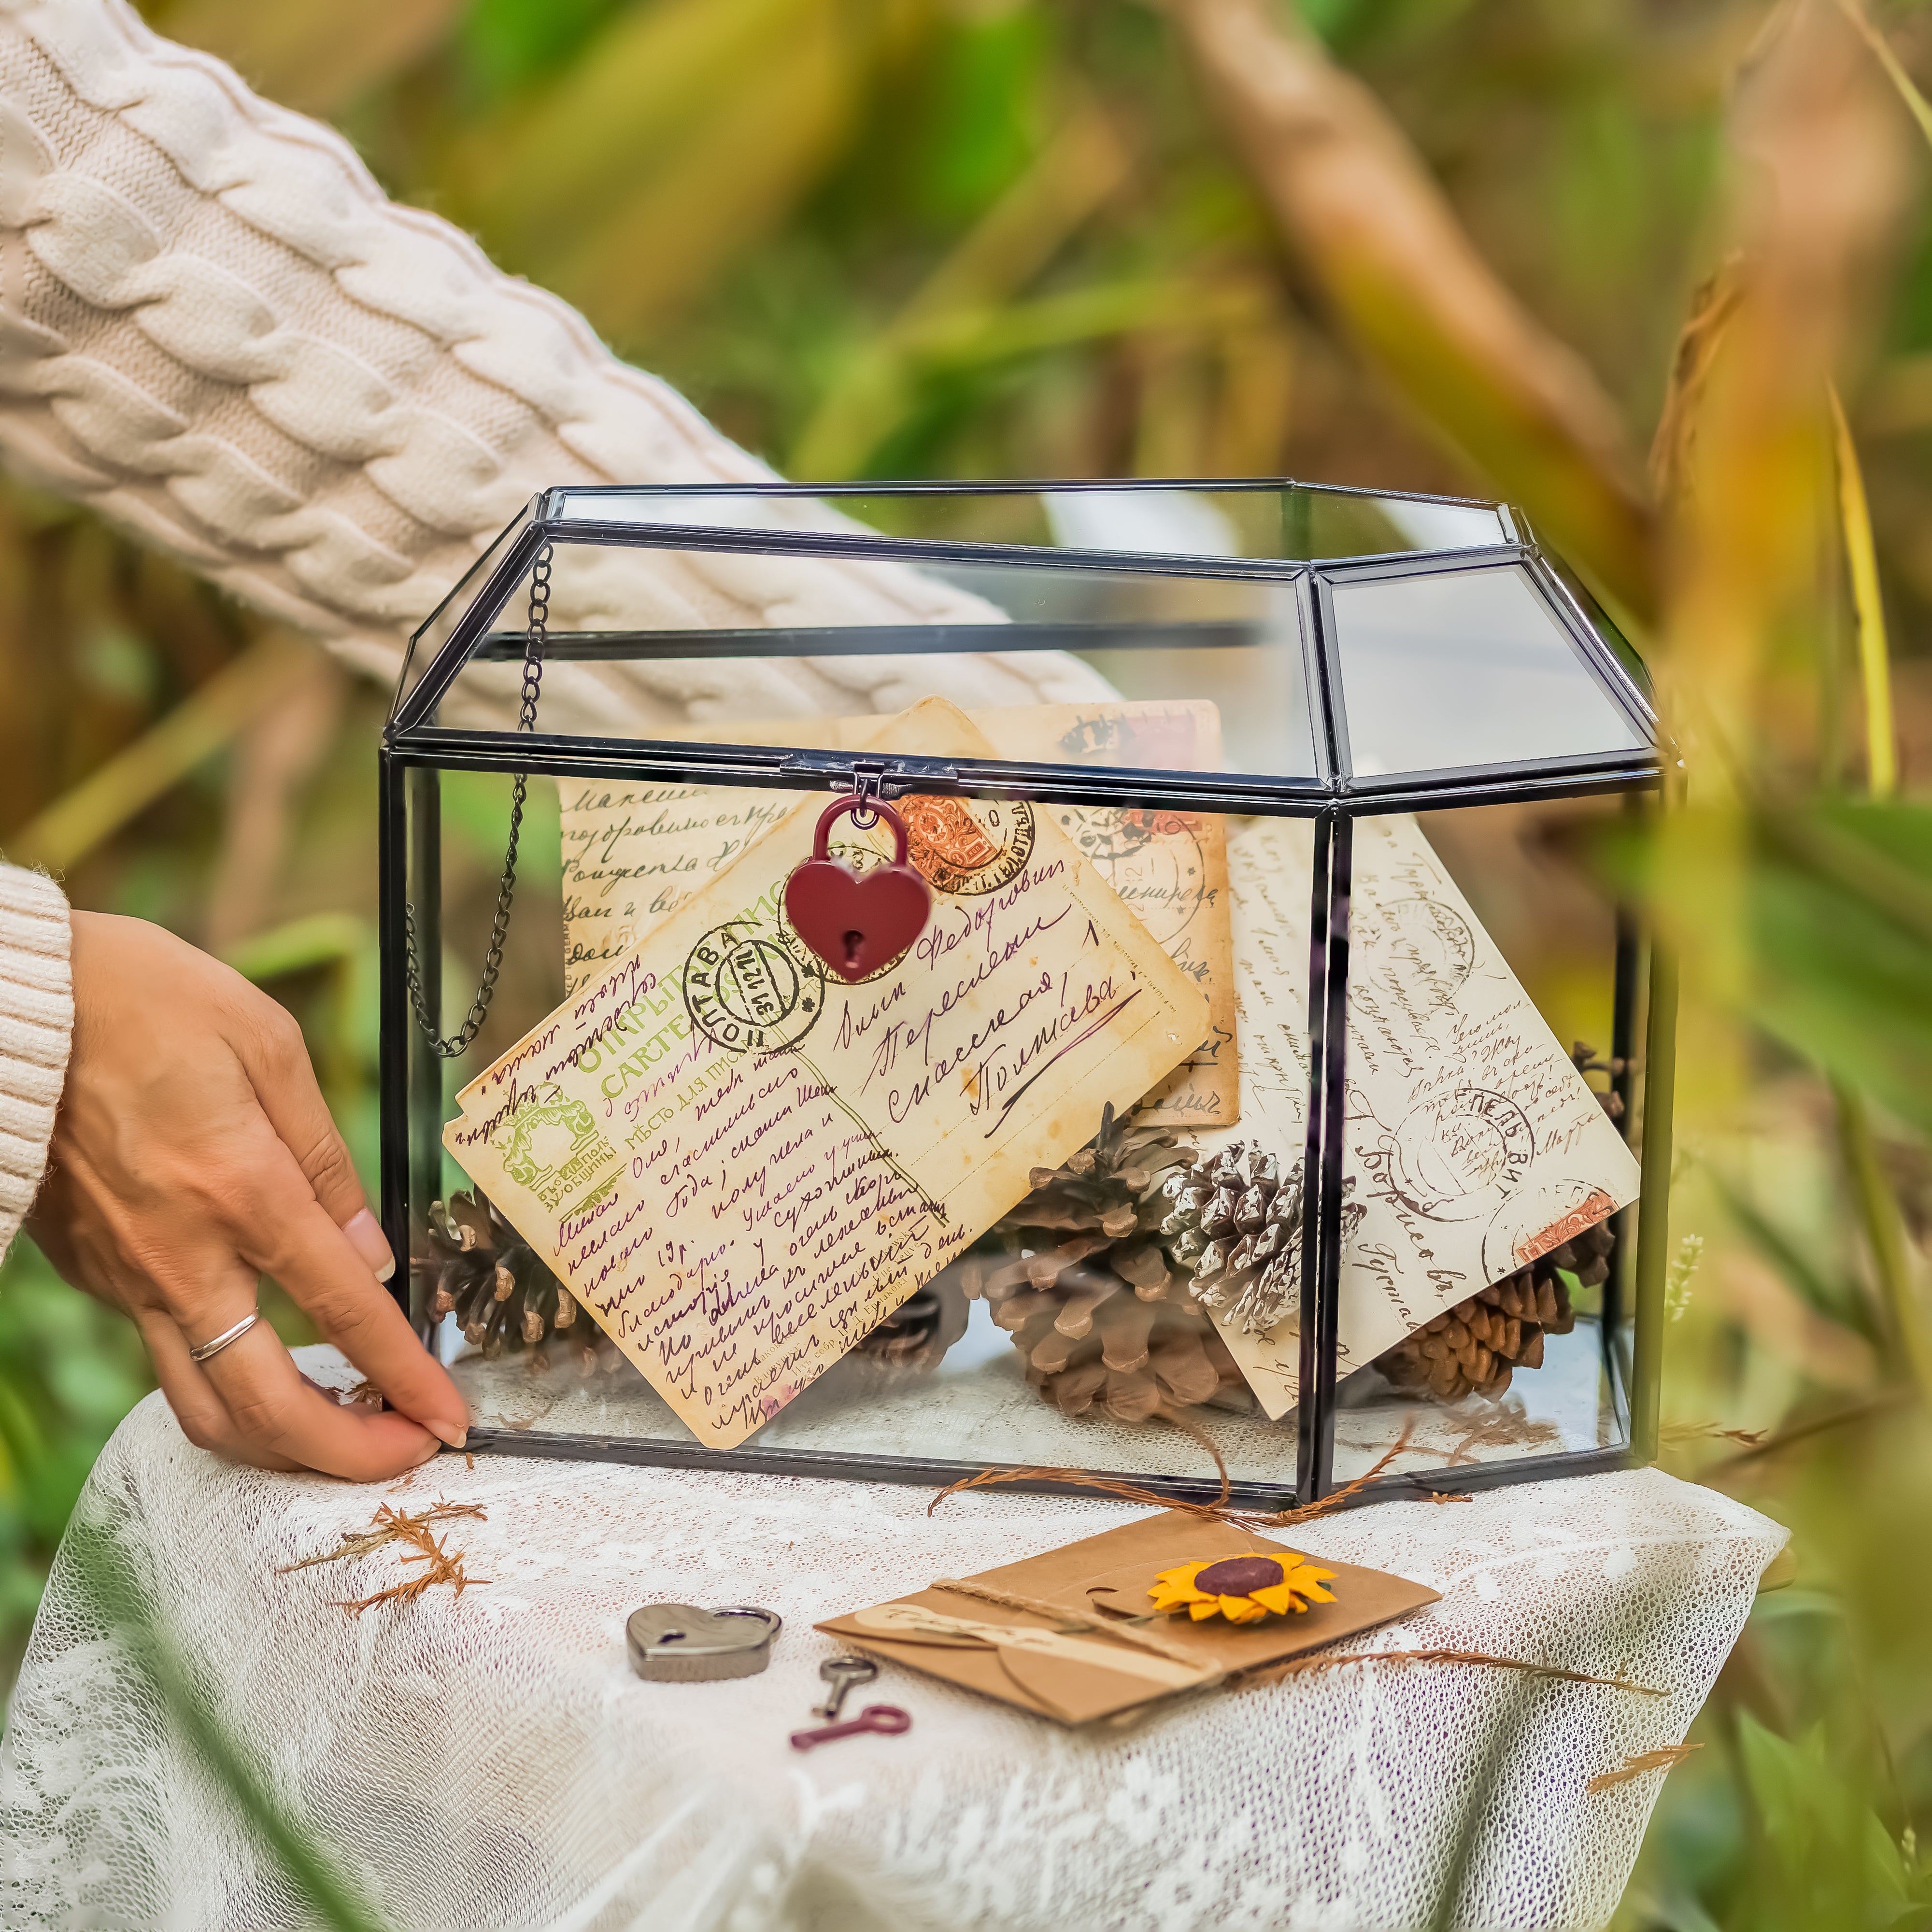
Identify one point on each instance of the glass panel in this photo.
(1436, 526)
(1487, 1172)
(745, 649)
(1467, 668)
(1064, 1362)
(1207, 521)
(433, 635)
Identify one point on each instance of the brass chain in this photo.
(454, 1045)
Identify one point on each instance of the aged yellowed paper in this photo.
(741, 1165)
(1473, 1144)
(1170, 867)
(632, 855)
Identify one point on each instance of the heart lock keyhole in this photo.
(857, 924)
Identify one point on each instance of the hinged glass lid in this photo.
(1348, 639)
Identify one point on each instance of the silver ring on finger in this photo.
(210, 1348)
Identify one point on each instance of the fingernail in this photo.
(454, 1438)
(365, 1236)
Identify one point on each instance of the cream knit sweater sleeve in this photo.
(217, 330)
(36, 1023)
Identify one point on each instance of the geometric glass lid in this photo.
(1351, 644)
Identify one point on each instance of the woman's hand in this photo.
(193, 1154)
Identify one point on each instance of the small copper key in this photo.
(888, 1718)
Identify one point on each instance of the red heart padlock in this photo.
(857, 923)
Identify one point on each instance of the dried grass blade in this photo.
(967, 295)
(1635, 1767)
(1359, 207)
(1908, 92)
(1868, 607)
(1713, 306)
(350, 1546)
(1675, 1433)
(1777, 1440)
(440, 1566)
(85, 817)
(1303, 1666)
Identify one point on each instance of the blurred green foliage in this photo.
(1011, 237)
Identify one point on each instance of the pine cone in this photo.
(1478, 1345)
(1095, 1309)
(1583, 1058)
(1586, 1255)
(1233, 1225)
(918, 1333)
(479, 1269)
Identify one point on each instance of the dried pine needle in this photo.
(394, 1525)
(1220, 1510)
(1503, 1431)
(1671, 1755)
(440, 1567)
(1677, 1434)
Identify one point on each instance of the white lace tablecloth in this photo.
(491, 1761)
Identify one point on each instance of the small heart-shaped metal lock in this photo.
(857, 923)
(678, 1643)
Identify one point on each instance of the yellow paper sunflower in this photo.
(1244, 1589)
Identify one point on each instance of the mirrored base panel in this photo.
(974, 1410)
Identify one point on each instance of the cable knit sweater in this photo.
(218, 332)
(36, 1022)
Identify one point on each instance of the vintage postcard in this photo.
(1170, 867)
(740, 1164)
(631, 857)
(1473, 1144)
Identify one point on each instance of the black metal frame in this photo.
(414, 748)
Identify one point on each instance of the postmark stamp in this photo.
(745, 989)
(1154, 859)
(967, 846)
(1152, 737)
(1459, 1156)
(550, 1144)
(1544, 1215)
(1426, 945)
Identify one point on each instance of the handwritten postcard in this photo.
(1473, 1144)
(631, 857)
(741, 1165)
(1170, 868)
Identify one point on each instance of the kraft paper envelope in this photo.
(1112, 1573)
(632, 855)
(740, 1164)
(1471, 1144)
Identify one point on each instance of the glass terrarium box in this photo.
(903, 982)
